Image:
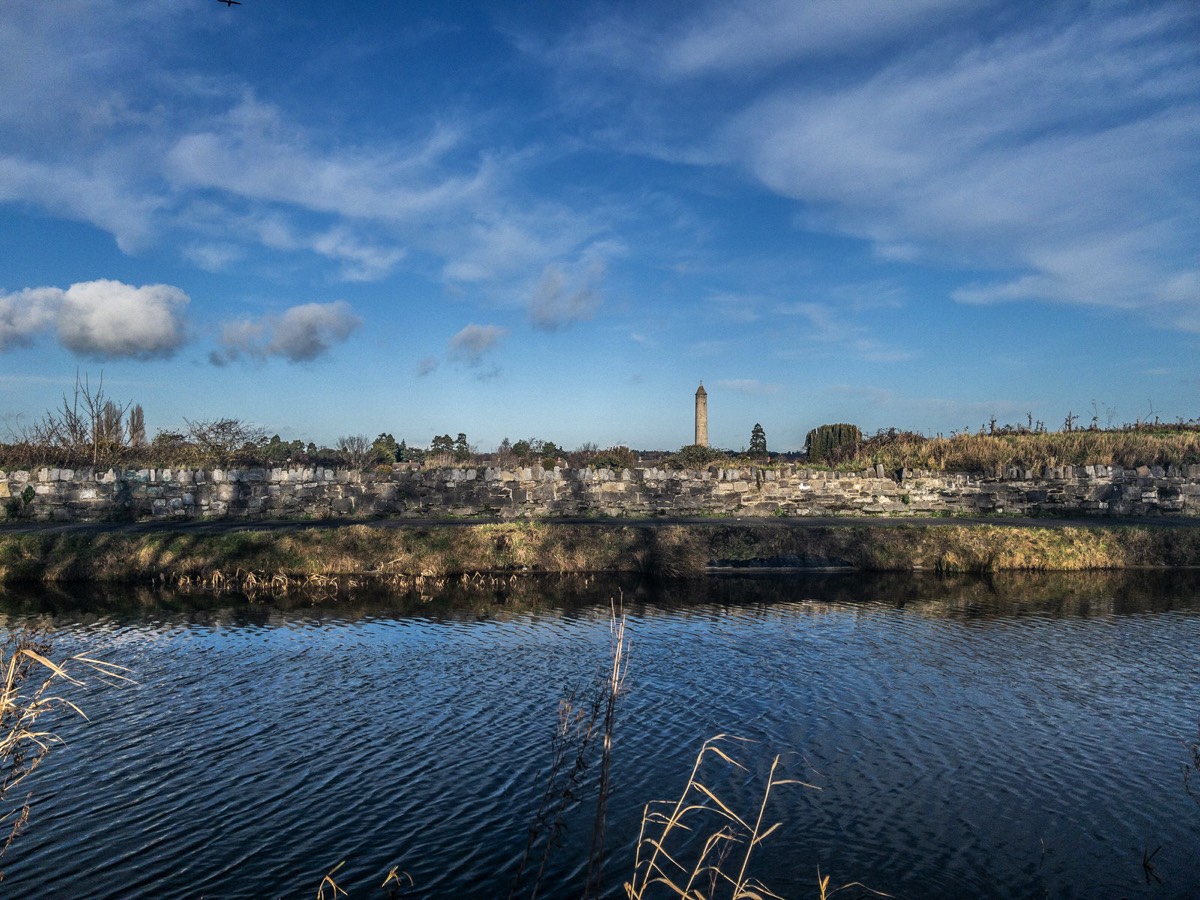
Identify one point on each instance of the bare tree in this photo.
(357, 450)
(85, 429)
(135, 427)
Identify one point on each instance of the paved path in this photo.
(221, 526)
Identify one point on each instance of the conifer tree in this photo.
(758, 441)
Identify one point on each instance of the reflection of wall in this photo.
(65, 494)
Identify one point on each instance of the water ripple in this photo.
(962, 743)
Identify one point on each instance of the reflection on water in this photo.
(1021, 736)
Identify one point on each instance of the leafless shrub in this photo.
(222, 441)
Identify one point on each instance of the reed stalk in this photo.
(25, 696)
(581, 725)
(661, 865)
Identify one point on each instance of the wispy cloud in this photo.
(1051, 150)
(833, 323)
(558, 302)
(254, 152)
(729, 38)
(933, 153)
(474, 341)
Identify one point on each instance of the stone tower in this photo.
(702, 416)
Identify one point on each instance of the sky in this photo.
(555, 219)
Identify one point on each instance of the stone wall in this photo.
(316, 493)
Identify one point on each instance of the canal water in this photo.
(1020, 737)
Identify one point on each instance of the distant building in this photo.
(702, 416)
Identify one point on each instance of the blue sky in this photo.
(554, 219)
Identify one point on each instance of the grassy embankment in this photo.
(358, 555)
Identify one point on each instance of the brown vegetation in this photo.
(28, 675)
(335, 560)
(1126, 447)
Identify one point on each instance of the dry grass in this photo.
(698, 847)
(988, 453)
(25, 697)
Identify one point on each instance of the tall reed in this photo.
(581, 725)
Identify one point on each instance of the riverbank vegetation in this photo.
(334, 560)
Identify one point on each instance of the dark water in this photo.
(1026, 737)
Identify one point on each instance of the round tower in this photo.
(702, 416)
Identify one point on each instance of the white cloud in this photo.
(360, 261)
(100, 319)
(108, 320)
(740, 39)
(1057, 148)
(470, 344)
(25, 314)
(301, 334)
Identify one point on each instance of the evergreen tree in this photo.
(758, 441)
(386, 450)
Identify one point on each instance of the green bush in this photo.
(619, 457)
(695, 456)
